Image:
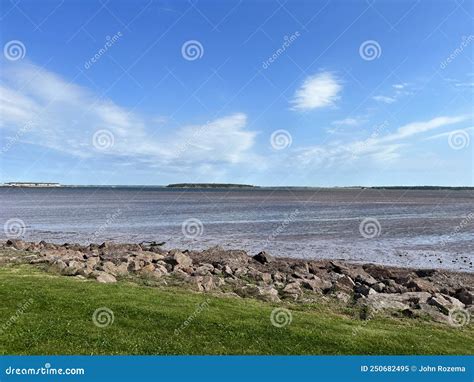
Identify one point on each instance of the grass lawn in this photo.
(58, 320)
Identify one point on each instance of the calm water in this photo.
(416, 228)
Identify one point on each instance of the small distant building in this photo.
(32, 184)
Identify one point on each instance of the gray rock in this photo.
(262, 293)
(445, 303)
(379, 287)
(395, 301)
(72, 269)
(106, 278)
(364, 278)
(204, 269)
(292, 290)
(464, 295)
(265, 278)
(180, 260)
(342, 296)
(420, 285)
(134, 265)
(344, 284)
(364, 290)
(263, 257)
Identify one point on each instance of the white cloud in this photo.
(348, 122)
(399, 90)
(64, 117)
(318, 91)
(384, 99)
(400, 86)
(376, 149)
(448, 133)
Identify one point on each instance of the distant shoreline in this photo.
(217, 186)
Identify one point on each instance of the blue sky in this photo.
(316, 93)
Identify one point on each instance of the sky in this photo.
(271, 93)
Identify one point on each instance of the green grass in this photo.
(59, 321)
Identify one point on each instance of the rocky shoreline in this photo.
(443, 295)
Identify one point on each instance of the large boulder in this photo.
(180, 260)
(364, 290)
(72, 269)
(203, 270)
(344, 284)
(105, 278)
(445, 303)
(378, 272)
(17, 244)
(464, 295)
(292, 290)
(421, 285)
(395, 301)
(263, 257)
(262, 293)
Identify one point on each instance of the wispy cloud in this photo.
(447, 133)
(384, 99)
(317, 91)
(382, 148)
(398, 90)
(350, 121)
(64, 117)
